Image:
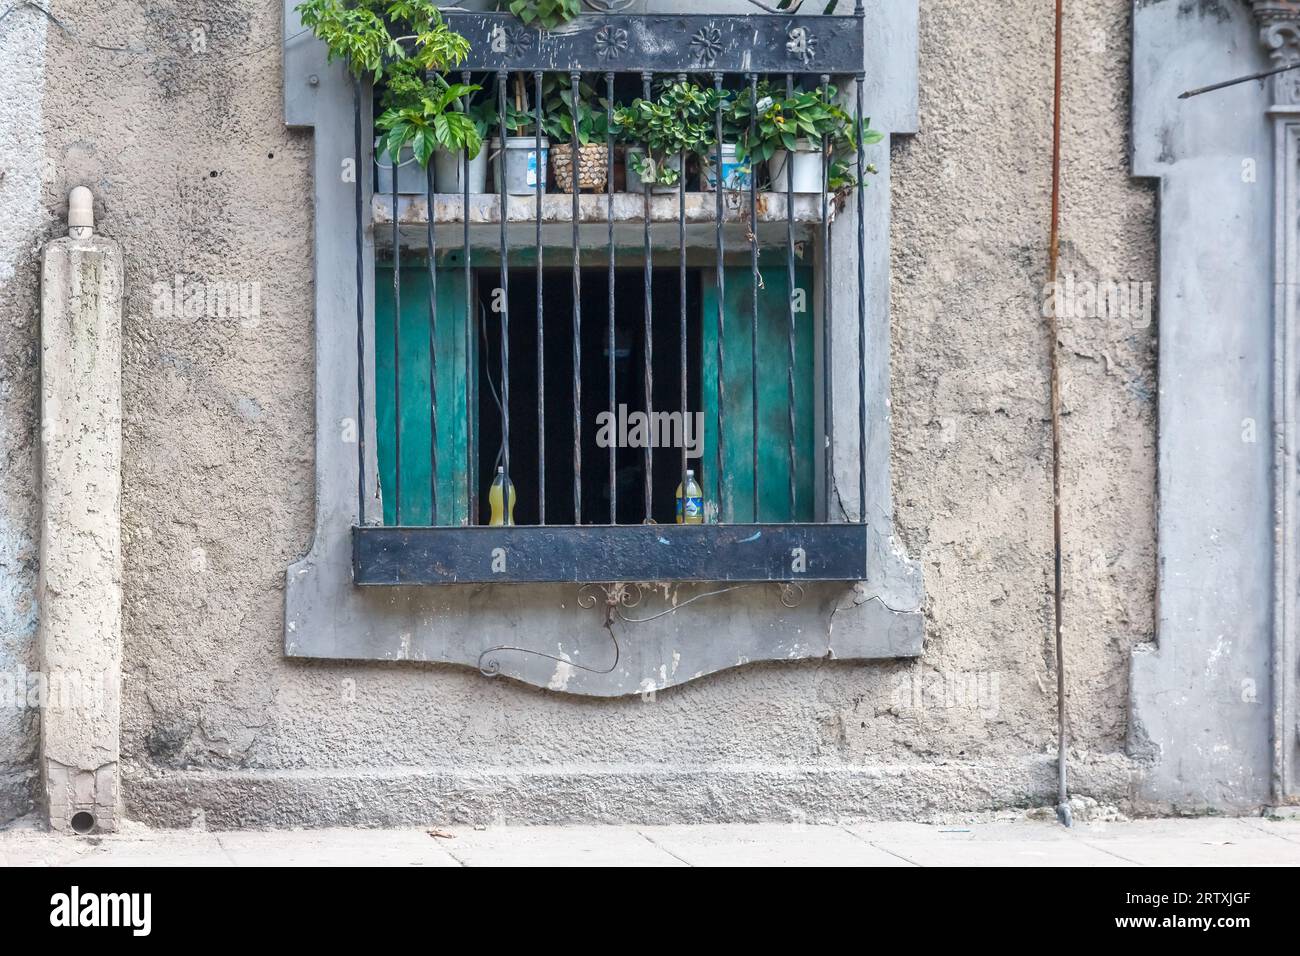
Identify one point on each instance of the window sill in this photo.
(701, 207)
(607, 553)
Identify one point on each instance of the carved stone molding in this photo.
(1275, 12)
(1279, 26)
(1282, 39)
(1279, 32)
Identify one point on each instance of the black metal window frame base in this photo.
(536, 554)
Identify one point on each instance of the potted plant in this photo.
(405, 40)
(798, 129)
(735, 171)
(517, 158)
(424, 116)
(450, 165)
(662, 132)
(592, 134)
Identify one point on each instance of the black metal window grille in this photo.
(716, 50)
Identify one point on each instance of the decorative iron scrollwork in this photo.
(707, 45)
(616, 595)
(792, 594)
(663, 43)
(802, 44)
(514, 42)
(611, 43)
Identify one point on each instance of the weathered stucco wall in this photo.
(197, 177)
(972, 439)
(24, 222)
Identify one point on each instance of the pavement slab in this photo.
(988, 844)
(1250, 841)
(768, 844)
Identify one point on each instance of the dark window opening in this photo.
(557, 391)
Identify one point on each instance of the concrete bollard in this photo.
(80, 585)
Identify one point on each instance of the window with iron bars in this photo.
(591, 348)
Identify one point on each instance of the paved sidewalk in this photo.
(1199, 842)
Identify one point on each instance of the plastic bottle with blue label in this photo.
(694, 501)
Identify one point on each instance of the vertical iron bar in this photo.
(789, 291)
(471, 341)
(541, 321)
(397, 350)
(361, 306)
(575, 81)
(613, 342)
(753, 259)
(828, 391)
(681, 301)
(505, 304)
(433, 358)
(649, 329)
(718, 185)
(862, 318)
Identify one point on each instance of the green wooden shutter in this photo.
(773, 395)
(414, 398)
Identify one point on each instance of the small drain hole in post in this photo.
(83, 822)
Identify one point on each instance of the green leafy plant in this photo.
(546, 14)
(427, 114)
(483, 114)
(358, 32)
(407, 43)
(767, 119)
(558, 110)
(681, 120)
(520, 118)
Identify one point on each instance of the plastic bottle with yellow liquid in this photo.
(496, 498)
(694, 505)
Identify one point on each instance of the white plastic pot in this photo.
(634, 184)
(735, 174)
(525, 171)
(449, 171)
(807, 166)
(412, 178)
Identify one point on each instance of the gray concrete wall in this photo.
(1203, 697)
(199, 177)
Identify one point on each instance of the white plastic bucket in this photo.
(525, 171)
(807, 167)
(449, 169)
(735, 174)
(412, 178)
